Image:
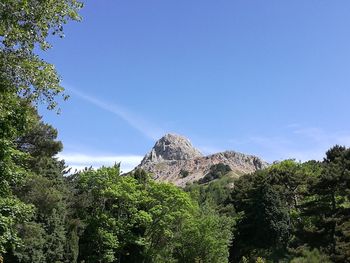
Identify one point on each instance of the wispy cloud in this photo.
(320, 136)
(80, 161)
(277, 148)
(300, 143)
(147, 129)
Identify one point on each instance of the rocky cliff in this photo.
(174, 159)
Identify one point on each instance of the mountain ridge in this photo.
(174, 159)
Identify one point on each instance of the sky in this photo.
(269, 78)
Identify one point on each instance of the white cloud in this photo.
(300, 143)
(146, 128)
(79, 161)
(324, 138)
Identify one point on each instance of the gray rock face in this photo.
(171, 147)
(173, 156)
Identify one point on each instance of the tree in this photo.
(216, 171)
(134, 219)
(313, 256)
(267, 203)
(13, 114)
(206, 237)
(25, 25)
(44, 236)
(326, 223)
(128, 219)
(25, 79)
(217, 194)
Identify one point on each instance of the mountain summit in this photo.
(171, 147)
(174, 159)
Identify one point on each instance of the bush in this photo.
(216, 171)
(184, 173)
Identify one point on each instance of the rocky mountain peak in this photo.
(174, 159)
(171, 147)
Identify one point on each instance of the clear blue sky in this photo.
(269, 78)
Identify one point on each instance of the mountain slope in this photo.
(174, 159)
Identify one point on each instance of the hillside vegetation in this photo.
(289, 210)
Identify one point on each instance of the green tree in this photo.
(206, 237)
(13, 113)
(44, 237)
(326, 223)
(313, 256)
(127, 219)
(25, 25)
(134, 219)
(267, 203)
(217, 193)
(25, 79)
(216, 171)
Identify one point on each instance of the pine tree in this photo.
(326, 213)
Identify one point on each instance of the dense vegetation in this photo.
(289, 212)
(216, 171)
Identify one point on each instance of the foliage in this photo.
(326, 220)
(12, 212)
(313, 256)
(217, 193)
(206, 237)
(290, 206)
(184, 173)
(25, 25)
(267, 203)
(14, 117)
(216, 171)
(25, 79)
(43, 237)
(129, 219)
